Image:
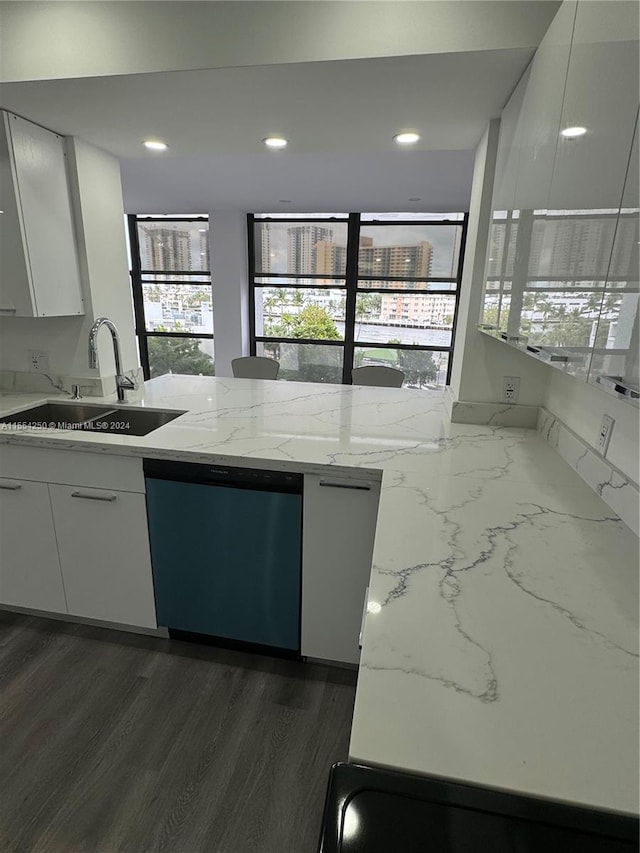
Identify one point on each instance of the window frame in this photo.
(137, 275)
(351, 284)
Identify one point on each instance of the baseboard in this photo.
(615, 488)
(81, 620)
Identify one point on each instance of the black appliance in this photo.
(380, 811)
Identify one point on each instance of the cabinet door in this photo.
(104, 554)
(29, 566)
(42, 277)
(339, 522)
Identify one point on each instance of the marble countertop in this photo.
(501, 640)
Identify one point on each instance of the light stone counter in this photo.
(501, 642)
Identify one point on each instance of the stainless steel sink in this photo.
(91, 417)
(57, 415)
(123, 421)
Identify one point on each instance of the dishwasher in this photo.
(226, 547)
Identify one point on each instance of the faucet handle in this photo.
(75, 392)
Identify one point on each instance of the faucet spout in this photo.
(122, 382)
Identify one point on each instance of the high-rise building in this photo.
(404, 261)
(301, 247)
(264, 234)
(331, 259)
(384, 262)
(165, 248)
(203, 246)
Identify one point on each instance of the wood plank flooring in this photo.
(119, 743)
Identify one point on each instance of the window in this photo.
(330, 292)
(172, 293)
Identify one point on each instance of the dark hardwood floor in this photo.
(113, 742)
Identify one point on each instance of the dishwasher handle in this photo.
(360, 485)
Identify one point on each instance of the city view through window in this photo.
(173, 297)
(332, 292)
(329, 292)
(567, 280)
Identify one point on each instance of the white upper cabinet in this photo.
(601, 95)
(536, 136)
(39, 274)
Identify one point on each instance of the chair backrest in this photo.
(386, 377)
(255, 367)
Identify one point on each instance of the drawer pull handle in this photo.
(336, 484)
(108, 498)
(8, 310)
(10, 487)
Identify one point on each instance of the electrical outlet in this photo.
(38, 361)
(510, 389)
(604, 436)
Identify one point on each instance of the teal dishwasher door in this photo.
(226, 561)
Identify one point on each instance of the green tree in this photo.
(419, 367)
(312, 322)
(368, 305)
(178, 355)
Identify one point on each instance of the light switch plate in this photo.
(604, 436)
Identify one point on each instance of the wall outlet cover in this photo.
(604, 436)
(510, 389)
(39, 361)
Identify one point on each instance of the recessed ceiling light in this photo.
(408, 138)
(155, 145)
(573, 132)
(275, 142)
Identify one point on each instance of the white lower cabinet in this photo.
(29, 566)
(74, 544)
(339, 522)
(104, 554)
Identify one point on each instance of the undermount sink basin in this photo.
(56, 415)
(91, 417)
(123, 421)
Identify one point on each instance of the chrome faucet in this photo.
(123, 383)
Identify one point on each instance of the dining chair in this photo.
(255, 367)
(385, 377)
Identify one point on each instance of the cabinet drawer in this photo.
(99, 470)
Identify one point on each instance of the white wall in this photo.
(581, 407)
(97, 198)
(229, 264)
(42, 40)
(480, 363)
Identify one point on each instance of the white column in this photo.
(229, 269)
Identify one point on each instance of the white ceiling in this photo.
(338, 115)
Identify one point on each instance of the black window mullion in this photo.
(252, 282)
(351, 273)
(463, 243)
(203, 337)
(138, 298)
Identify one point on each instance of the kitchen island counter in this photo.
(500, 645)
